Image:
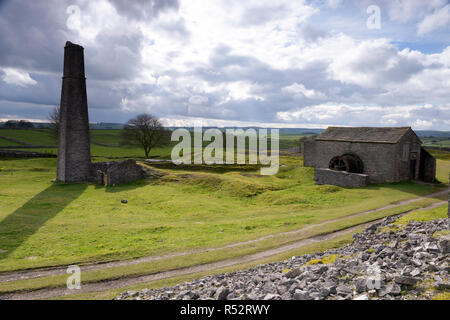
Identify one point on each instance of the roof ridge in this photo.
(364, 134)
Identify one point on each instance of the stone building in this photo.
(347, 156)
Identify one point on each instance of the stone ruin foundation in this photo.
(111, 173)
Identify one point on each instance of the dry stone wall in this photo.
(340, 178)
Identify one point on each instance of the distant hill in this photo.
(293, 131)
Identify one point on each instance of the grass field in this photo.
(443, 142)
(48, 224)
(106, 143)
(312, 248)
(42, 223)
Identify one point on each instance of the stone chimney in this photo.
(74, 155)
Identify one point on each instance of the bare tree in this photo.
(53, 118)
(145, 131)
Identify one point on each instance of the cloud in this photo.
(374, 63)
(299, 90)
(144, 9)
(198, 100)
(412, 10)
(17, 77)
(438, 19)
(423, 124)
(228, 61)
(334, 3)
(417, 116)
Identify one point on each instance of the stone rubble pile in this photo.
(383, 262)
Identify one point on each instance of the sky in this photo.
(285, 63)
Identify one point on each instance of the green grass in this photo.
(30, 136)
(203, 257)
(337, 242)
(426, 215)
(179, 212)
(436, 141)
(442, 170)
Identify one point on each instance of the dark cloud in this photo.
(230, 82)
(176, 29)
(114, 57)
(311, 34)
(261, 14)
(30, 35)
(144, 9)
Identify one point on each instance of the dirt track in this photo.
(123, 282)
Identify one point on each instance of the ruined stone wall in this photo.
(379, 158)
(124, 172)
(340, 178)
(110, 173)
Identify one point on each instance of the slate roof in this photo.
(363, 134)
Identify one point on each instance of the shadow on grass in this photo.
(21, 224)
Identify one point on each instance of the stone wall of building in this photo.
(429, 173)
(379, 159)
(408, 145)
(383, 162)
(110, 173)
(340, 178)
(309, 152)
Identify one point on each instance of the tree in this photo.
(145, 131)
(53, 118)
(21, 124)
(11, 124)
(25, 124)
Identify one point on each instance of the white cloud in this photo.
(241, 90)
(334, 3)
(423, 124)
(418, 116)
(256, 61)
(299, 90)
(438, 19)
(374, 63)
(17, 77)
(411, 10)
(198, 100)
